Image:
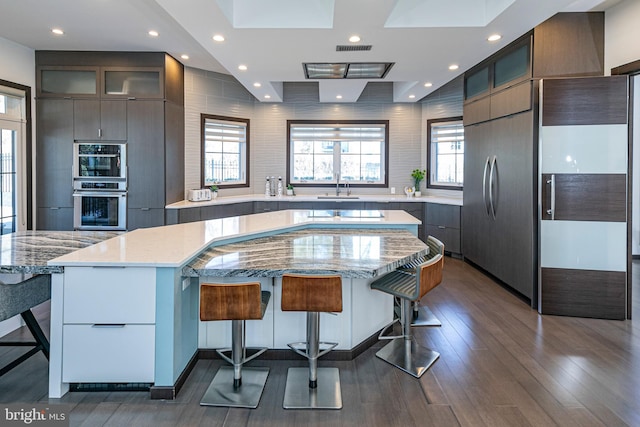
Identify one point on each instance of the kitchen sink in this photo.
(338, 197)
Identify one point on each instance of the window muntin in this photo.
(322, 152)
(446, 153)
(225, 147)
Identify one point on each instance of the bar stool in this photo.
(313, 387)
(422, 315)
(238, 302)
(403, 352)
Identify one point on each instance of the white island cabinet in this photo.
(109, 325)
(125, 310)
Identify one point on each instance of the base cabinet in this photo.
(108, 330)
(443, 222)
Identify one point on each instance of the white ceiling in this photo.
(273, 38)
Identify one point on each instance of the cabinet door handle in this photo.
(54, 208)
(99, 133)
(108, 325)
(441, 227)
(494, 166)
(552, 182)
(145, 209)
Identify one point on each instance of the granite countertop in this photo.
(176, 245)
(444, 199)
(353, 252)
(29, 251)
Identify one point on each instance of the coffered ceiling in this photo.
(273, 39)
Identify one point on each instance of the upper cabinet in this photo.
(81, 82)
(567, 44)
(112, 75)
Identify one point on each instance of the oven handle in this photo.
(99, 194)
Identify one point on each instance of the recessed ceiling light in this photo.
(242, 67)
(339, 96)
(412, 96)
(57, 31)
(184, 56)
(267, 96)
(354, 39)
(257, 84)
(218, 38)
(494, 37)
(153, 33)
(453, 67)
(428, 84)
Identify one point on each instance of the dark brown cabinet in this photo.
(54, 163)
(95, 120)
(131, 97)
(443, 222)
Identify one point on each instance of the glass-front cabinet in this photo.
(68, 81)
(133, 82)
(101, 82)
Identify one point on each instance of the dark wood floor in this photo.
(501, 364)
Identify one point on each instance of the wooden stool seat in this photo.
(238, 302)
(312, 388)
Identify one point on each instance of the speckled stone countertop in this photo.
(354, 253)
(29, 251)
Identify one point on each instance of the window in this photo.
(225, 151)
(323, 152)
(445, 142)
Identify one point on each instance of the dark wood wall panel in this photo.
(584, 293)
(569, 44)
(585, 101)
(586, 197)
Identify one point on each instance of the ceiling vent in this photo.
(352, 48)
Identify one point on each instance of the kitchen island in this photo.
(126, 310)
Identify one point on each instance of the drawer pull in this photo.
(108, 325)
(441, 227)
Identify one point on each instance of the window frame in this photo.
(247, 170)
(430, 184)
(384, 153)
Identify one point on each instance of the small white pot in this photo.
(289, 192)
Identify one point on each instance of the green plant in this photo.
(418, 175)
(289, 187)
(214, 188)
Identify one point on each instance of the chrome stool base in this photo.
(221, 391)
(426, 318)
(408, 356)
(298, 394)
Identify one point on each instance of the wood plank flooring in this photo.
(501, 364)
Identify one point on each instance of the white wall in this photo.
(621, 34)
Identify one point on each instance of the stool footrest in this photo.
(303, 353)
(221, 352)
(382, 336)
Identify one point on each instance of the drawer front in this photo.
(447, 215)
(449, 236)
(108, 353)
(109, 295)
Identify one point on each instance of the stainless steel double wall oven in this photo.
(100, 186)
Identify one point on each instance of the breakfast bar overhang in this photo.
(126, 310)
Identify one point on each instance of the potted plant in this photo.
(418, 175)
(289, 190)
(214, 191)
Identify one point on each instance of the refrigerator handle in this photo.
(552, 211)
(491, 188)
(484, 184)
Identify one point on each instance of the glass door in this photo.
(10, 134)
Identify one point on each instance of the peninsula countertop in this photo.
(176, 245)
(29, 251)
(350, 252)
